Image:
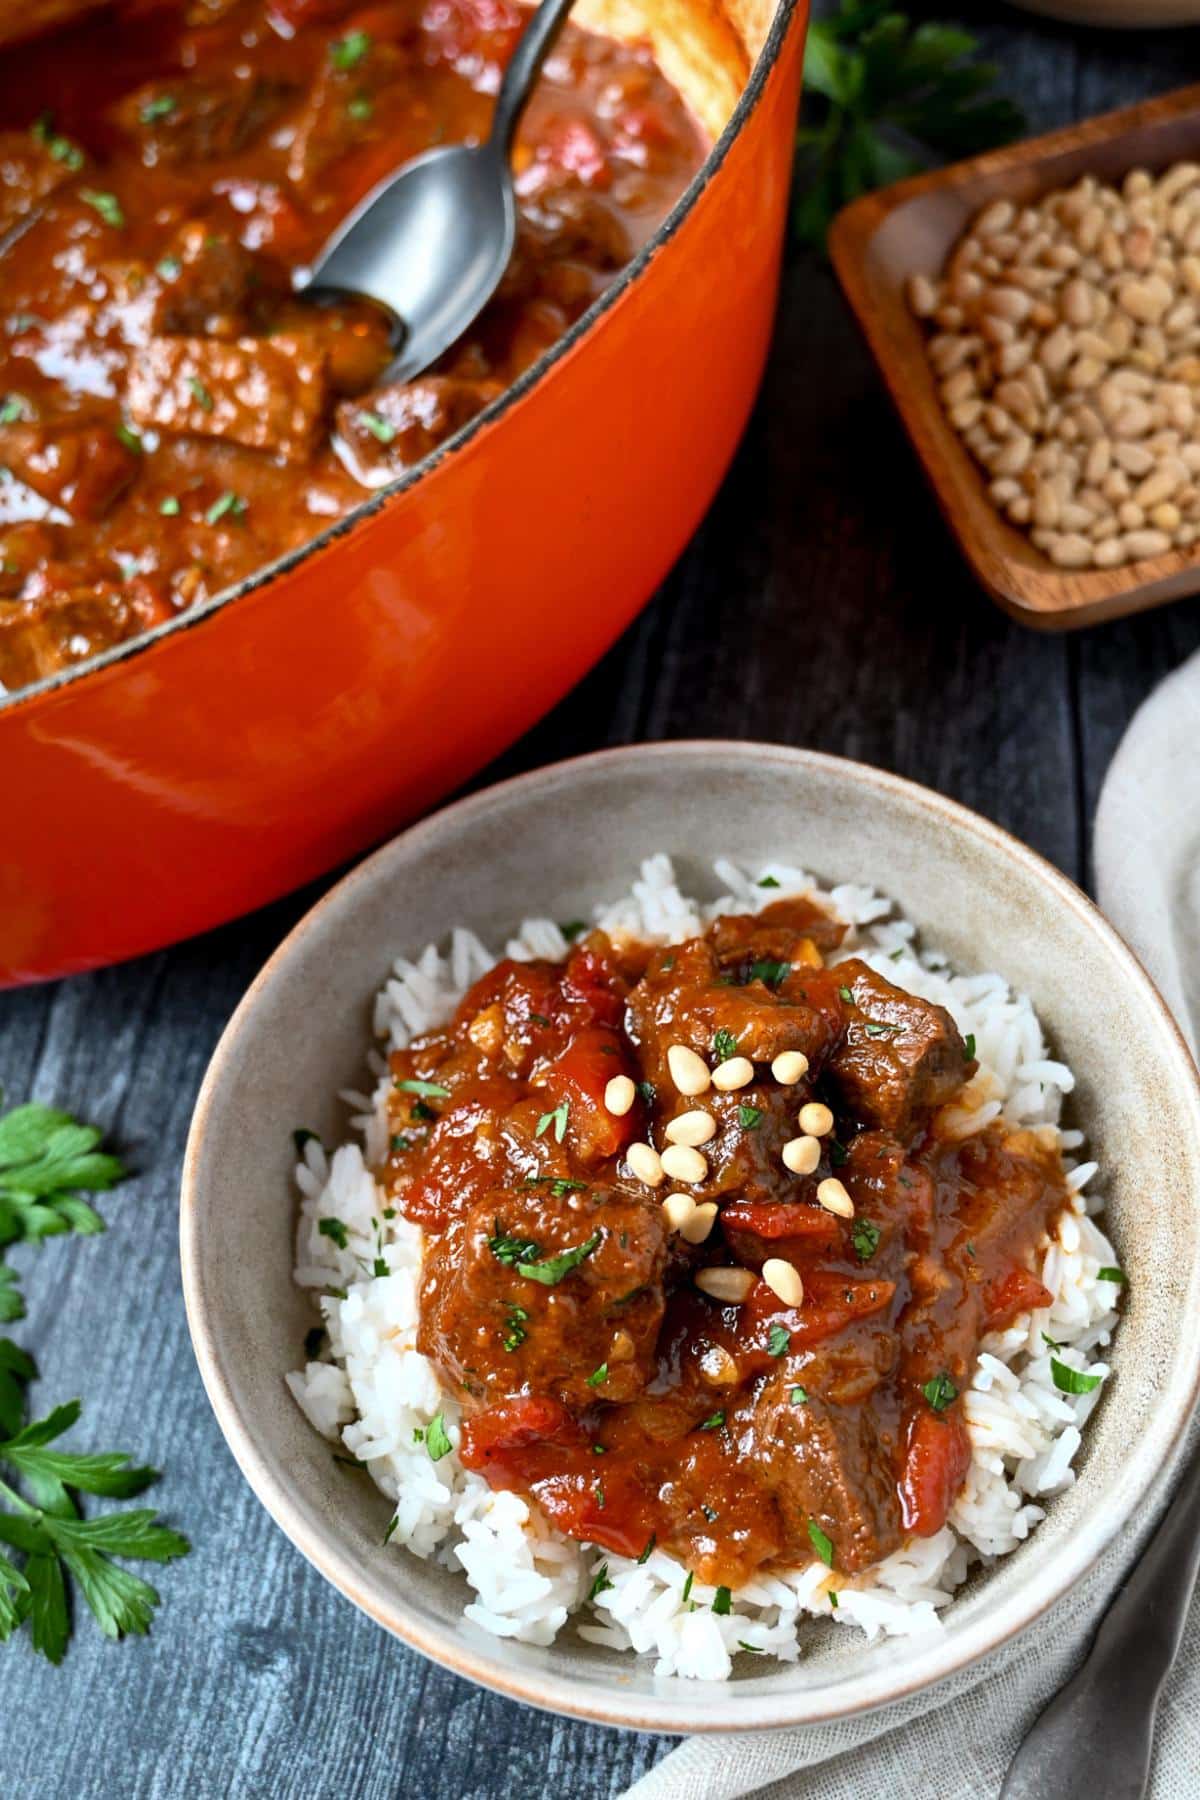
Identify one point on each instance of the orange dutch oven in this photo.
(242, 749)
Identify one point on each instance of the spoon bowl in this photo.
(429, 244)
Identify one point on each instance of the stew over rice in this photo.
(711, 1246)
(172, 416)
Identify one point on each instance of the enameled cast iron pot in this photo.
(252, 743)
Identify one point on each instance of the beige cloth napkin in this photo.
(955, 1742)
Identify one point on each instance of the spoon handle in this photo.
(535, 44)
(1094, 1739)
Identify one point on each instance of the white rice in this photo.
(376, 1394)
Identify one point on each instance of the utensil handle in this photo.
(1095, 1737)
(536, 42)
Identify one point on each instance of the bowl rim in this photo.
(373, 503)
(566, 1695)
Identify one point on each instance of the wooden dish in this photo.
(882, 239)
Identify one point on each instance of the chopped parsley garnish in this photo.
(229, 504)
(557, 1118)
(107, 205)
(820, 1543)
(169, 507)
(833, 1599)
(12, 408)
(333, 1228)
(600, 1582)
(60, 148)
(755, 1649)
(1052, 1342)
(838, 1153)
(399, 1142)
(418, 1434)
(598, 1494)
(559, 1185)
(516, 1334)
(846, 996)
(422, 1110)
(348, 52)
(313, 1340)
(969, 1047)
(360, 107)
(940, 1392)
(598, 1375)
(380, 428)
(687, 1586)
(650, 1543)
(551, 1272)
(713, 1422)
(646, 1090)
(387, 1536)
(799, 1396)
(511, 1250)
(710, 1513)
(437, 1440)
(769, 972)
(169, 268)
(778, 1340)
(722, 1601)
(767, 881)
(865, 1238)
(430, 1090)
(1115, 1275)
(161, 107)
(541, 1019)
(876, 1028)
(1072, 1381)
(750, 1117)
(724, 1045)
(381, 1267)
(200, 394)
(572, 929)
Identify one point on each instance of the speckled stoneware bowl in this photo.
(555, 842)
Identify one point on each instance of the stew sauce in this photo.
(564, 1311)
(172, 417)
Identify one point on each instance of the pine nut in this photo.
(735, 1072)
(682, 1163)
(691, 1128)
(689, 1072)
(789, 1067)
(834, 1198)
(645, 1163)
(731, 1286)
(619, 1096)
(699, 1222)
(783, 1280)
(815, 1119)
(677, 1210)
(801, 1155)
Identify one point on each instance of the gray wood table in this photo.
(822, 603)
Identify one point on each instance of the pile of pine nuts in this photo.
(1066, 345)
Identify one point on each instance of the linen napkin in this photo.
(955, 1741)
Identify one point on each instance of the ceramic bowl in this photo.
(254, 741)
(555, 842)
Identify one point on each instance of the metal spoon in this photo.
(1093, 1741)
(432, 241)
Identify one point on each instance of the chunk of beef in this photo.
(687, 996)
(493, 1329)
(82, 468)
(40, 636)
(395, 428)
(265, 393)
(900, 1056)
(211, 286)
(29, 170)
(199, 121)
(832, 1460)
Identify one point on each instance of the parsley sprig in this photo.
(889, 96)
(42, 1526)
(46, 1160)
